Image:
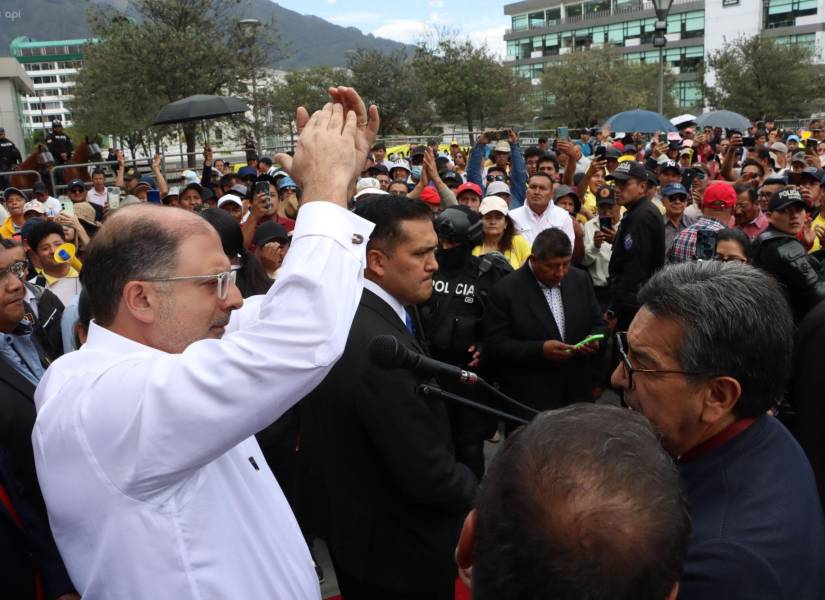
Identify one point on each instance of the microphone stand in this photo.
(429, 390)
(501, 395)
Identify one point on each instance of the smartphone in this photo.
(705, 245)
(564, 133)
(600, 153)
(262, 187)
(153, 196)
(596, 337)
(605, 223)
(687, 178)
(66, 205)
(500, 134)
(113, 199)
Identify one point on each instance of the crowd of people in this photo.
(195, 384)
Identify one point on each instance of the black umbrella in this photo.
(198, 108)
(724, 119)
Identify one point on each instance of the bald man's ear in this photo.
(674, 592)
(140, 300)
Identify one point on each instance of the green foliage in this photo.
(468, 85)
(761, 78)
(586, 88)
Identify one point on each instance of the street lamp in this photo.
(249, 29)
(662, 8)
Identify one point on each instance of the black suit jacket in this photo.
(377, 475)
(519, 321)
(32, 546)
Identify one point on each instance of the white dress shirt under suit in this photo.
(154, 483)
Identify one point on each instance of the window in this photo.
(553, 15)
(520, 23)
(783, 13)
(536, 20)
(512, 48)
(596, 6)
(573, 11)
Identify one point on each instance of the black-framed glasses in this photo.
(18, 268)
(496, 178)
(623, 348)
(223, 280)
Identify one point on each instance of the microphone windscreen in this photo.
(383, 351)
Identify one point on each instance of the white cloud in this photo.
(493, 38)
(403, 30)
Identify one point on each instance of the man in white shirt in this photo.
(98, 195)
(539, 212)
(155, 485)
(51, 204)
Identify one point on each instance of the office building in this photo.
(52, 67)
(542, 31)
(15, 85)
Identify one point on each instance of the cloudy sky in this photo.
(407, 20)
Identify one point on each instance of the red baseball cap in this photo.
(468, 186)
(719, 194)
(430, 195)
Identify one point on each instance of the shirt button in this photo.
(357, 238)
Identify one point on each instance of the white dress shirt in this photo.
(530, 225)
(154, 484)
(395, 305)
(597, 260)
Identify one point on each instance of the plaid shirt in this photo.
(684, 246)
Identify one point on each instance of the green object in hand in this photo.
(589, 339)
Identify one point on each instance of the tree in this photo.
(467, 84)
(176, 48)
(389, 81)
(761, 78)
(588, 87)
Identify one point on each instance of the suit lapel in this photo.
(538, 303)
(9, 375)
(385, 311)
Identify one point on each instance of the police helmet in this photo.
(459, 224)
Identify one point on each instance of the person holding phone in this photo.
(599, 235)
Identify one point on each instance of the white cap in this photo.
(34, 205)
(190, 176)
(493, 203)
(173, 191)
(229, 198)
(367, 183)
(502, 146)
(498, 187)
(370, 190)
(400, 164)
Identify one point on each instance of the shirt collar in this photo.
(538, 217)
(51, 280)
(541, 285)
(105, 340)
(396, 306)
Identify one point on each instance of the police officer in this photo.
(452, 320)
(59, 144)
(9, 154)
(778, 251)
(639, 245)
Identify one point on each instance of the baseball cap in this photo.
(449, 176)
(498, 187)
(630, 149)
(247, 172)
(670, 165)
(430, 196)
(286, 182)
(628, 169)
(814, 173)
(502, 146)
(652, 178)
(35, 206)
(605, 195)
(74, 183)
(784, 198)
(365, 183)
(719, 194)
(493, 203)
(132, 172)
(686, 152)
(469, 186)
(268, 231)
(142, 185)
(400, 164)
(367, 191)
(798, 157)
(190, 176)
(564, 190)
(40, 188)
(612, 152)
(227, 198)
(779, 147)
(417, 151)
(671, 189)
(173, 191)
(793, 138)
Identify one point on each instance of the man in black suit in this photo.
(377, 471)
(536, 317)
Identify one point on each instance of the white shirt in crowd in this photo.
(92, 197)
(154, 483)
(595, 259)
(52, 206)
(530, 225)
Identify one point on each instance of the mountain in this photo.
(309, 41)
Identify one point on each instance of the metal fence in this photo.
(6, 175)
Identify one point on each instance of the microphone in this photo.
(385, 351)
(67, 253)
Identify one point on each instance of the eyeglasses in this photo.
(223, 280)
(19, 269)
(730, 258)
(622, 345)
(496, 178)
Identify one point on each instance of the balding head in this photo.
(138, 242)
(581, 503)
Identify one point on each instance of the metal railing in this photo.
(5, 176)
